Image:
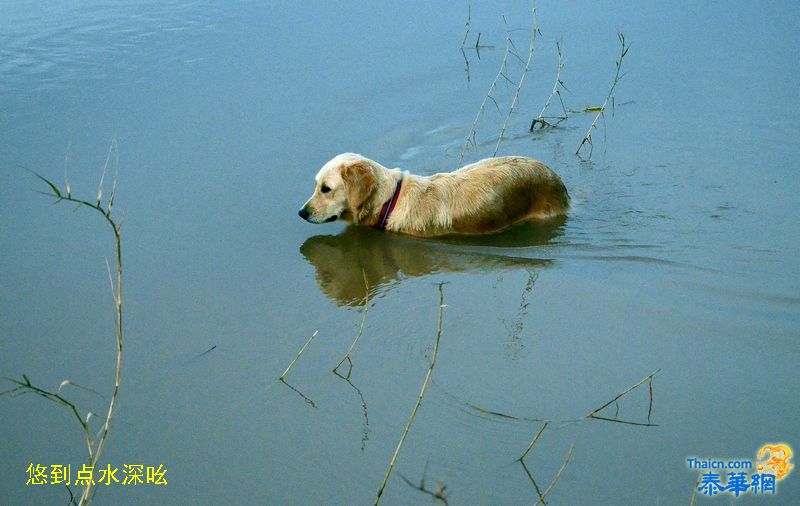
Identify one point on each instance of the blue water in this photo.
(679, 253)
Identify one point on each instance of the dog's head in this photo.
(343, 186)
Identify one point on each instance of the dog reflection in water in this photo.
(342, 261)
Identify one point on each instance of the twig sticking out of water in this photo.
(346, 357)
(95, 445)
(558, 475)
(419, 398)
(541, 119)
(531, 51)
(533, 442)
(26, 387)
(648, 378)
(499, 414)
(282, 377)
(478, 46)
(302, 350)
(592, 415)
(587, 139)
(694, 489)
(521, 459)
(500, 73)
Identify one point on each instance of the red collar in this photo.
(388, 206)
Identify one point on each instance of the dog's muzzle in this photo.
(306, 215)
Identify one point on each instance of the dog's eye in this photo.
(324, 189)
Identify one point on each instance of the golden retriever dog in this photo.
(481, 198)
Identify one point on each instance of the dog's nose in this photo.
(303, 213)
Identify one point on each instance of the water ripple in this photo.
(70, 43)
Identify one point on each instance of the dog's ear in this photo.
(359, 180)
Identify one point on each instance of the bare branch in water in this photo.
(346, 357)
(95, 446)
(419, 398)
(648, 378)
(302, 350)
(533, 441)
(558, 475)
(474, 127)
(587, 138)
(541, 119)
(531, 51)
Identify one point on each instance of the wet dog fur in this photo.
(484, 197)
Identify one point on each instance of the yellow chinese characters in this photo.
(36, 475)
(156, 476)
(129, 474)
(60, 474)
(133, 474)
(85, 475)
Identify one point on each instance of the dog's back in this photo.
(487, 196)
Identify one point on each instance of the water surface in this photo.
(679, 253)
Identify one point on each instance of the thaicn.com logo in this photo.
(741, 476)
